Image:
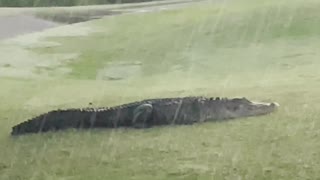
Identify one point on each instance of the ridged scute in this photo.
(82, 117)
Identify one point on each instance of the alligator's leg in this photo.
(141, 114)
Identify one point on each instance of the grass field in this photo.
(75, 14)
(266, 50)
(46, 3)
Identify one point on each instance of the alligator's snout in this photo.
(260, 108)
(262, 104)
(275, 104)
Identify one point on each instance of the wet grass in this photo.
(75, 14)
(261, 51)
(85, 13)
(48, 3)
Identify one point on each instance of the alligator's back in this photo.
(119, 116)
(184, 110)
(176, 111)
(76, 118)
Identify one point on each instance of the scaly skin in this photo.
(146, 113)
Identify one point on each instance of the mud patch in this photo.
(120, 71)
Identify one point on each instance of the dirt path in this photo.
(23, 20)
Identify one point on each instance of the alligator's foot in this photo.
(140, 116)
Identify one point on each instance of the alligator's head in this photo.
(242, 107)
(236, 108)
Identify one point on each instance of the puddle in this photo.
(120, 71)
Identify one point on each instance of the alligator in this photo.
(146, 113)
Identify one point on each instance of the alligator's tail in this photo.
(56, 120)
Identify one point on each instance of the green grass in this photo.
(75, 14)
(264, 51)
